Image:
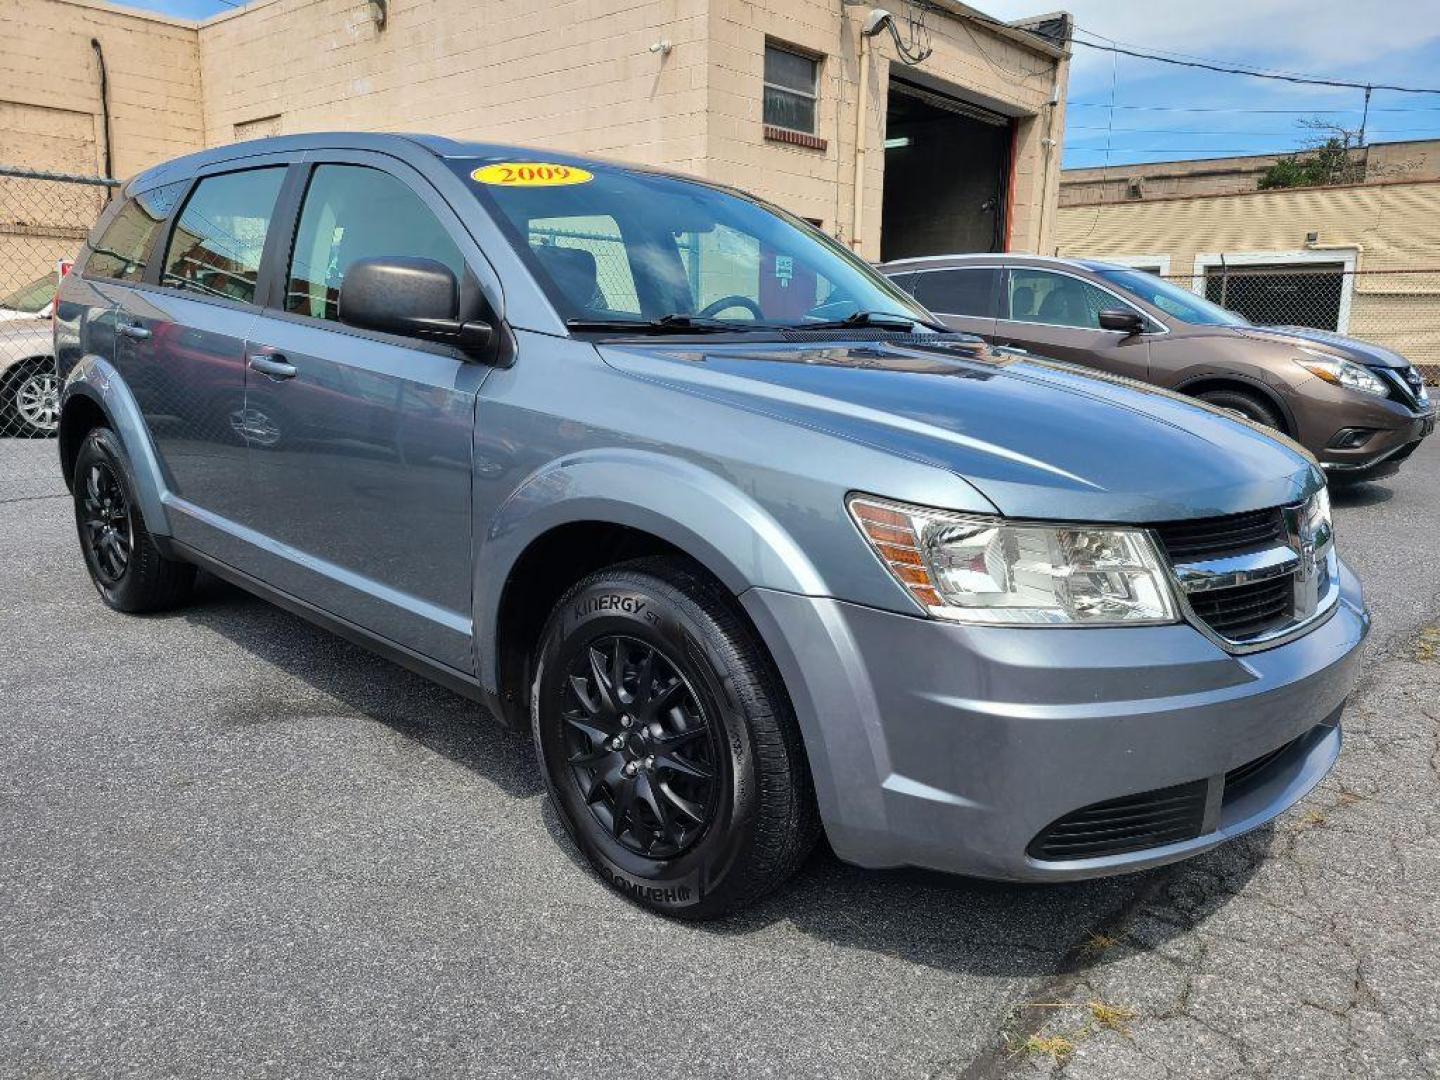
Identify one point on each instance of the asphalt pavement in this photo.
(232, 845)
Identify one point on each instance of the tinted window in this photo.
(121, 250)
(789, 89)
(1039, 296)
(352, 212)
(215, 248)
(958, 292)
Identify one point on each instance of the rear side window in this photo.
(121, 249)
(352, 212)
(959, 292)
(215, 248)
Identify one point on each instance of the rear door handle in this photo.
(135, 331)
(272, 364)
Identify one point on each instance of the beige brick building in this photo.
(1363, 259)
(971, 132)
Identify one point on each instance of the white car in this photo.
(30, 301)
(29, 388)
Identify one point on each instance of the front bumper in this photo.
(954, 747)
(1397, 432)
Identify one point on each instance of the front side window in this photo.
(1170, 298)
(1039, 296)
(353, 212)
(121, 250)
(959, 292)
(790, 80)
(215, 248)
(630, 245)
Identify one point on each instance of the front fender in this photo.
(96, 379)
(697, 510)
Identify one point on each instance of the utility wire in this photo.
(1229, 70)
(1242, 109)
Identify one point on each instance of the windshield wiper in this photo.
(875, 320)
(673, 323)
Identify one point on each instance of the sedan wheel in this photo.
(35, 401)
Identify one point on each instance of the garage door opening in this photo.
(947, 164)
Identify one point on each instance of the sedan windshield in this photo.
(1171, 299)
(615, 248)
(32, 298)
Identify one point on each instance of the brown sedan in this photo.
(1359, 408)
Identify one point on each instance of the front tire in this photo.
(127, 567)
(667, 744)
(1247, 406)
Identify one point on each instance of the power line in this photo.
(1243, 109)
(1225, 69)
(1231, 131)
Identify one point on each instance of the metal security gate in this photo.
(44, 218)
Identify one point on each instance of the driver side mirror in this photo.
(1121, 319)
(412, 297)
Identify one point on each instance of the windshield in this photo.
(609, 244)
(1171, 299)
(34, 297)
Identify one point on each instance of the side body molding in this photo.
(695, 509)
(95, 378)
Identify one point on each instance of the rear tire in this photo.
(1249, 406)
(127, 567)
(667, 743)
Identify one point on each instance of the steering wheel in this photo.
(717, 306)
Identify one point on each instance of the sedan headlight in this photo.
(984, 570)
(1341, 372)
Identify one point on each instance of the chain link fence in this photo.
(44, 218)
(1396, 309)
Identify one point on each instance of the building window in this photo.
(790, 81)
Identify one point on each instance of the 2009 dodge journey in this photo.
(663, 473)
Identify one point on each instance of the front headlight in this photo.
(1341, 372)
(985, 570)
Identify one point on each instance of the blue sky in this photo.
(1395, 41)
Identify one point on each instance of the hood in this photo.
(1362, 352)
(1039, 439)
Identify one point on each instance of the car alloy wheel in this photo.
(37, 401)
(105, 515)
(640, 748)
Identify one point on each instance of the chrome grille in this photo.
(1250, 579)
(1217, 537)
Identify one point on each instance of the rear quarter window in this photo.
(121, 250)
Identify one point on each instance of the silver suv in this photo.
(676, 482)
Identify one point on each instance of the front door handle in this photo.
(134, 331)
(273, 365)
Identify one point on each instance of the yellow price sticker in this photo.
(531, 174)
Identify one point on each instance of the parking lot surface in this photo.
(232, 845)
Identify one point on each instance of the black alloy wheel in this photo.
(640, 747)
(130, 571)
(669, 747)
(105, 523)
